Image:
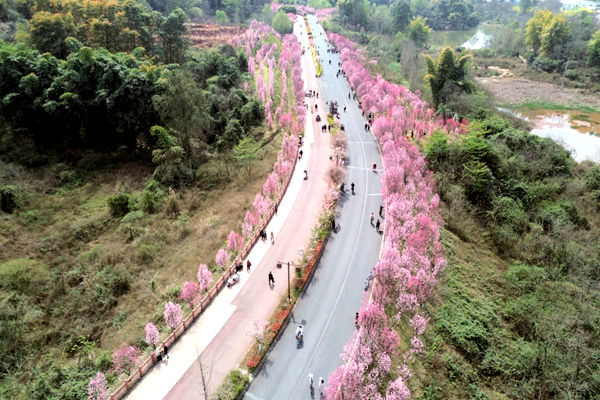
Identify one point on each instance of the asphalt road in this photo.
(327, 307)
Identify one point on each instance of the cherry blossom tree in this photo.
(222, 258)
(204, 278)
(189, 292)
(235, 241)
(172, 315)
(97, 387)
(125, 358)
(152, 334)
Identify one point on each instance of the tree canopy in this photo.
(447, 75)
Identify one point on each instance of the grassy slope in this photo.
(70, 230)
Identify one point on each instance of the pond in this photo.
(575, 130)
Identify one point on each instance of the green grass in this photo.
(544, 105)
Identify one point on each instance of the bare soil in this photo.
(509, 90)
(206, 35)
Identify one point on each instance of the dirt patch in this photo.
(519, 90)
(205, 35)
(504, 72)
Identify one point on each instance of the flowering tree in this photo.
(235, 241)
(125, 358)
(189, 292)
(172, 315)
(257, 329)
(222, 258)
(97, 387)
(152, 334)
(204, 277)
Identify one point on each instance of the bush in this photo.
(233, 386)
(545, 64)
(436, 150)
(9, 198)
(152, 196)
(120, 204)
(211, 176)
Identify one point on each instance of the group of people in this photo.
(263, 234)
(311, 383)
(378, 223)
(162, 354)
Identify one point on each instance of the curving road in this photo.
(327, 307)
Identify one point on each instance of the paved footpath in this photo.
(219, 338)
(327, 307)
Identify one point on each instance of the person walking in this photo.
(372, 218)
(352, 187)
(248, 265)
(311, 382)
(356, 320)
(377, 225)
(166, 351)
(271, 279)
(321, 385)
(333, 224)
(272, 238)
(374, 167)
(300, 154)
(381, 211)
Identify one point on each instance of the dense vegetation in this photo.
(104, 111)
(525, 324)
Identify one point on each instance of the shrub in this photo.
(120, 204)
(152, 196)
(211, 176)
(545, 64)
(477, 178)
(9, 198)
(436, 150)
(233, 386)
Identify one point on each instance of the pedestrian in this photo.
(321, 385)
(271, 279)
(372, 218)
(310, 382)
(348, 95)
(317, 95)
(356, 320)
(377, 225)
(344, 108)
(374, 167)
(333, 224)
(300, 154)
(316, 106)
(249, 264)
(276, 205)
(272, 238)
(158, 356)
(166, 351)
(262, 235)
(381, 211)
(352, 187)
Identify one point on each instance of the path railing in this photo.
(202, 301)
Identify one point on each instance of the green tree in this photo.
(172, 33)
(535, 28)
(418, 31)
(555, 37)
(448, 75)
(221, 17)
(593, 50)
(382, 21)
(527, 5)
(354, 12)
(49, 31)
(401, 14)
(281, 23)
(167, 149)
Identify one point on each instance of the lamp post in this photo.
(279, 263)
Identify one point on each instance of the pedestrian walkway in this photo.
(219, 339)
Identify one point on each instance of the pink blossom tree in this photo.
(172, 315)
(235, 241)
(204, 278)
(189, 292)
(97, 387)
(125, 358)
(152, 334)
(222, 258)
